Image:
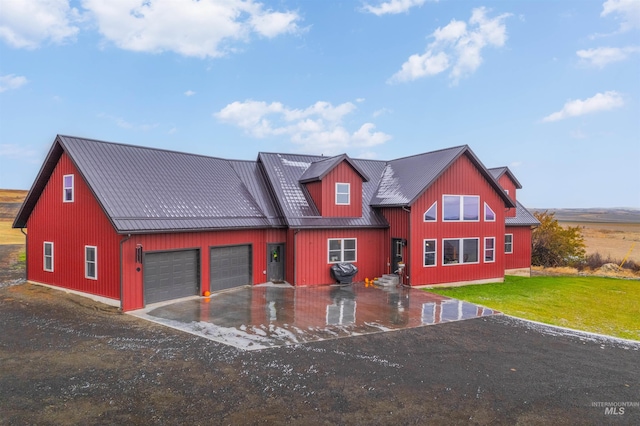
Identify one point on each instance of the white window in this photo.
(460, 250)
(343, 193)
(489, 215)
(430, 253)
(508, 243)
(48, 256)
(67, 188)
(489, 249)
(342, 250)
(91, 262)
(461, 208)
(431, 215)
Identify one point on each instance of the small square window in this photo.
(343, 193)
(67, 188)
(342, 250)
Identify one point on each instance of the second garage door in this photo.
(170, 275)
(230, 267)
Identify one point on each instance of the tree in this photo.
(553, 245)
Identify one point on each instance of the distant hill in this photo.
(10, 202)
(619, 215)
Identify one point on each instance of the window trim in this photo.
(348, 193)
(435, 252)
(493, 250)
(71, 188)
(44, 256)
(87, 262)
(342, 250)
(477, 239)
(435, 207)
(486, 206)
(510, 244)
(461, 208)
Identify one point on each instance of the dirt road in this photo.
(68, 360)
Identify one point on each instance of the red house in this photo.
(136, 225)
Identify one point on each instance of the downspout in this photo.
(407, 267)
(26, 250)
(295, 246)
(121, 272)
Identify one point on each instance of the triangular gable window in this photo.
(431, 215)
(489, 215)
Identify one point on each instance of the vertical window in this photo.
(343, 193)
(461, 208)
(489, 249)
(508, 243)
(431, 215)
(67, 188)
(489, 215)
(342, 250)
(48, 256)
(429, 252)
(91, 262)
(460, 251)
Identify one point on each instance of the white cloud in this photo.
(189, 93)
(317, 128)
(19, 152)
(392, 7)
(602, 56)
(29, 23)
(121, 122)
(626, 11)
(456, 46)
(11, 81)
(382, 111)
(204, 28)
(600, 102)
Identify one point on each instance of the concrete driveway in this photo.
(267, 316)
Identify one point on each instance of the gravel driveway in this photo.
(68, 360)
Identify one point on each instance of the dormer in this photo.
(509, 183)
(335, 185)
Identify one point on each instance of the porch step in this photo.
(388, 280)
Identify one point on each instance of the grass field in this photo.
(610, 239)
(596, 304)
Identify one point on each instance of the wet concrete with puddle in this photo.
(266, 316)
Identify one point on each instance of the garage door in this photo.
(170, 275)
(230, 267)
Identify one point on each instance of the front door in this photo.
(397, 253)
(275, 262)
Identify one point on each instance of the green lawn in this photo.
(600, 305)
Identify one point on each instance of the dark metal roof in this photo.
(144, 189)
(405, 179)
(319, 169)
(284, 172)
(523, 217)
(497, 173)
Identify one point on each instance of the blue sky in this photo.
(549, 88)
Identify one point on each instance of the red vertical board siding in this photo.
(462, 178)
(506, 183)
(342, 173)
(315, 190)
(133, 292)
(521, 256)
(312, 254)
(70, 227)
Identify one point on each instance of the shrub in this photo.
(553, 245)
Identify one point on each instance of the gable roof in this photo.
(145, 189)
(285, 174)
(319, 169)
(405, 179)
(497, 173)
